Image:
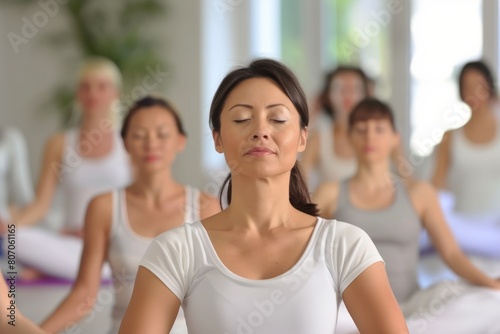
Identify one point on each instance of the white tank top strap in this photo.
(117, 196)
(192, 206)
(70, 142)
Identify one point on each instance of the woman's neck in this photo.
(155, 187)
(100, 121)
(374, 176)
(261, 204)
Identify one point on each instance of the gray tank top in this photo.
(395, 231)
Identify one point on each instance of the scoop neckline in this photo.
(388, 207)
(222, 267)
(122, 196)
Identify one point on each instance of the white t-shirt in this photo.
(305, 299)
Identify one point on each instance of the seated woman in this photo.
(83, 162)
(266, 263)
(120, 225)
(16, 190)
(328, 151)
(393, 212)
(467, 171)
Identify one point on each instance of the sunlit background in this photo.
(412, 49)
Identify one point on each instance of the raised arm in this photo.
(372, 305)
(326, 197)
(153, 307)
(442, 163)
(20, 182)
(49, 177)
(83, 293)
(427, 203)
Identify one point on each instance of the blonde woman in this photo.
(83, 162)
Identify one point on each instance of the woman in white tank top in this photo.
(83, 162)
(120, 225)
(468, 159)
(468, 166)
(329, 156)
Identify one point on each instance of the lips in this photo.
(259, 151)
(151, 158)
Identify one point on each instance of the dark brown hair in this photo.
(371, 109)
(481, 67)
(148, 102)
(288, 83)
(325, 93)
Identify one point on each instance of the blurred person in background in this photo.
(83, 162)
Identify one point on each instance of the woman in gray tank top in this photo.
(393, 213)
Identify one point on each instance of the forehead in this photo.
(96, 76)
(152, 116)
(257, 91)
(347, 77)
(473, 75)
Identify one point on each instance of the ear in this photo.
(181, 143)
(304, 133)
(217, 142)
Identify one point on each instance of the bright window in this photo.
(442, 41)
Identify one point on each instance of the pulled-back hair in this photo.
(325, 93)
(481, 67)
(148, 102)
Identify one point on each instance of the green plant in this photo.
(113, 29)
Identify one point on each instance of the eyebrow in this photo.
(248, 106)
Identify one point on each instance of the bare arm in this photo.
(372, 305)
(442, 238)
(326, 197)
(83, 294)
(49, 177)
(442, 163)
(153, 307)
(22, 324)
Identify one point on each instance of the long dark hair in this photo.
(148, 102)
(288, 83)
(325, 93)
(481, 67)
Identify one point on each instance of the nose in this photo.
(261, 131)
(151, 141)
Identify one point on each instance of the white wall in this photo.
(28, 77)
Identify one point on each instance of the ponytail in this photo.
(298, 192)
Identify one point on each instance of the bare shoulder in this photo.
(420, 188)
(421, 194)
(99, 211)
(55, 144)
(445, 142)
